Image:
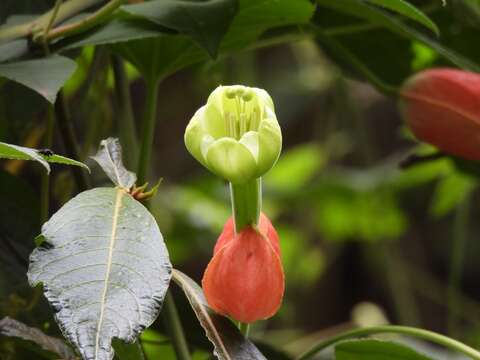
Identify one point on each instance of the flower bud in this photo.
(245, 280)
(442, 107)
(236, 133)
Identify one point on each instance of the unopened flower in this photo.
(442, 107)
(236, 133)
(245, 280)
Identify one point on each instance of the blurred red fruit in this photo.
(245, 280)
(442, 107)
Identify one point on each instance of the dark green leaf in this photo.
(378, 17)
(45, 76)
(375, 350)
(229, 343)
(104, 267)
(158, 57)
(115, 31)
(206, 22)
(9, 151)
(110, 159)
(406, 9)
(14, 328)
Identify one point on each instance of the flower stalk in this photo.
(246, 203)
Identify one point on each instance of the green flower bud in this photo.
(236, 133)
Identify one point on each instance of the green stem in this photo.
(48, 26)
(170, 314)
(174, 328)
(127, 130)
(439, 339)
(65, 11)
(148, 131)
(244, 329)
(90, 21)
(246, 203)
(458, 247)
(45, 187)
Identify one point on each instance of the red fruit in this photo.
(245, 280)
(442, 107)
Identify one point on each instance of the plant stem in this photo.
(70, 141)
(84, 24)
(456, 260)
(439, 339)
(127, 130)
(246, 203)
(148, 131)
(45, 186)
(244, 329)
(174, 328)
(65, 11)
(170, 314)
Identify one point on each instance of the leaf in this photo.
(375, 350)
(10, 151)
(359, 9)
(13, 49)
(45, 76)
(109, 157)
(104, 269)
(13, 328)
(450, 191)
(254, 17)
(206, 22)
(406, 9)
(229, 343)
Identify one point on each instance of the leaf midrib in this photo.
(111, 247)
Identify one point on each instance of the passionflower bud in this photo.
(245, 280)
(442, 107)
(236, 133)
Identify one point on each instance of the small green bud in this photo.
(236, 134)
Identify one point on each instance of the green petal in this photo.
(231, 160)
(250, 141)
(269, 145)
(212, 119)
(194, 134)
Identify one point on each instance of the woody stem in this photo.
(246, 203)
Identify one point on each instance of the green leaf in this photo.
(206, 22)
(406, 9)
(375, 350)
(10, 151)
(109, 157)
(229, 343)
(104, 269)
(156, 58)
(376, 16)
(254, 17)
(114, 31)
(45, 76)
(13, 328)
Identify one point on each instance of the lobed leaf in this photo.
(104, 269)
(229, 343)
